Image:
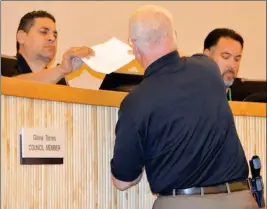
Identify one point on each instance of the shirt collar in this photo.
(23, 66)
(159, 64)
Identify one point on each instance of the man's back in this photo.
(187, 130)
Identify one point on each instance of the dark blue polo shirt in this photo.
(178, 125)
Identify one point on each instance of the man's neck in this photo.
(155, 56)
(36, 65)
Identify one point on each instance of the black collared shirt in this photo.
(178, 125)
(22, 67)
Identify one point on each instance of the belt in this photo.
(222, 188)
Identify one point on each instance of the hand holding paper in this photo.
(109, 56)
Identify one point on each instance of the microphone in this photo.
(256, 180)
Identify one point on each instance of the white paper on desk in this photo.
(109, 56)
(85, 81)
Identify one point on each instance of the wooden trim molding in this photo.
(42, 91)
(248, 109)
(22, 88)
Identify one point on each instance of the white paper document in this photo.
(109, 56)
(86, 81)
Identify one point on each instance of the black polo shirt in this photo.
(22, 67)
(178, 125)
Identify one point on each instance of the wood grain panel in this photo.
(83, 181)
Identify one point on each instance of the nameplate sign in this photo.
(42, 146)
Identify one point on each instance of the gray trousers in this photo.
(234, 200)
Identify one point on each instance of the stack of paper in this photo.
(109, 56)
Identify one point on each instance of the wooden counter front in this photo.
(88, 118)
(21, 88)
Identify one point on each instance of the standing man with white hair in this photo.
(177, 124)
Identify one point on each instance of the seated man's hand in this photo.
(72, 58)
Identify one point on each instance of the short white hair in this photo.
(150, 24)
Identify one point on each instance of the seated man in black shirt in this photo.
(225, 47)
(36, 48)
(178, 125)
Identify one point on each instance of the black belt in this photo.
(222, 188)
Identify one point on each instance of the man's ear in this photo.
(136, 51)
(21, 35)
(207, 52)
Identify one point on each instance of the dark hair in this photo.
(27, 21)
(215, 35)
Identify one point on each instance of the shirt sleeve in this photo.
(127, 162)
